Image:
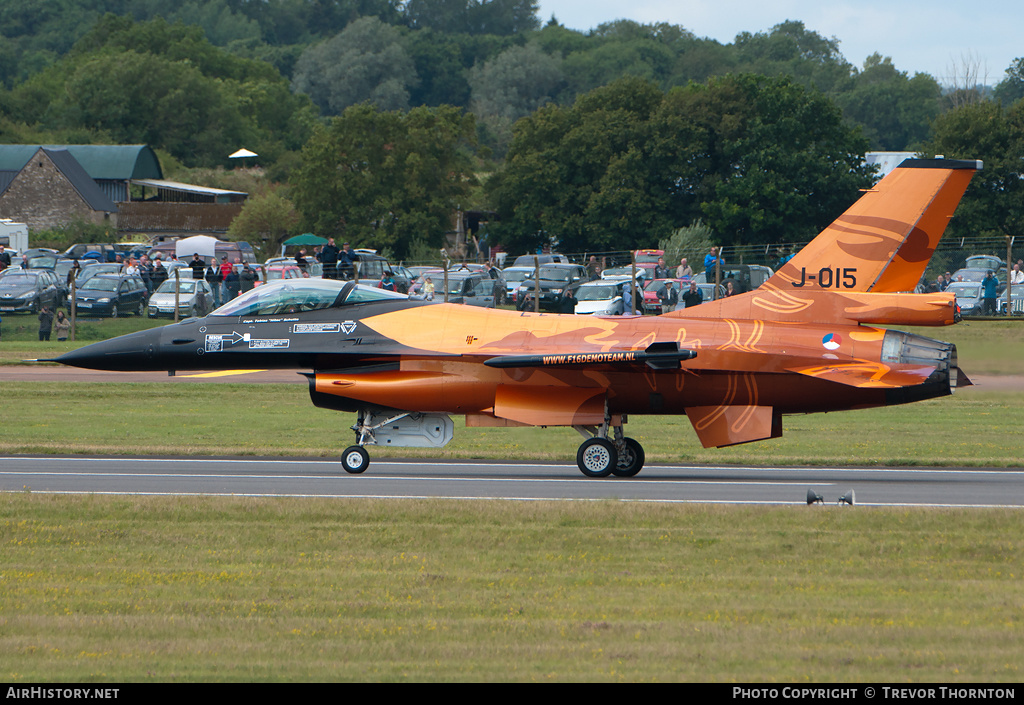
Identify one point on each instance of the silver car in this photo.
(194, 299)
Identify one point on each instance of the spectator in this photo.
(1017, 275)
(710, 259)
(232, 284)
(213, 279)
(159, 275)
(428, 289)
(660, 270)
(329, 259)
(345, 259)
(198, 265)
(683, 271)
(669, 297)
(692, 296)
(45, 323)
(247, 278)
(5, 259)
(990, 285)
(225, 270)
(63, 326)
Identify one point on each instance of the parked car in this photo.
(745, 277)
(28, 290)
(558, 284)
(513, 277)
(968, 297)
(470, 288)
(194, 299)
(112, 295)
(600, 298)
(90, 271)
(1016, 300)
(976, 275)
(528, 261)
(282, 271)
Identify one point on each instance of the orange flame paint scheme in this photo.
(811, 339)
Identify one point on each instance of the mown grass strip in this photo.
(971, 428)
(197, 589)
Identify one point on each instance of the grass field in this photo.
(148, 589)
(970, 428)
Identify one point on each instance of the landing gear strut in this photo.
(600, 456)
(393, 427)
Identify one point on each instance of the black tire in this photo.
(355, 460)
(597, 457)
(631, 460)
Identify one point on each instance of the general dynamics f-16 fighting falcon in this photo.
(809, 340)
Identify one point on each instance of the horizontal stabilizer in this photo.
(719, 426)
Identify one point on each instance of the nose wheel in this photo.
(355, 460)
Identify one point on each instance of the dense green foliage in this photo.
(761, 160)
(386, 179)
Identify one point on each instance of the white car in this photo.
(602, 298)
(194, 299)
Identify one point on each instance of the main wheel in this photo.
(631, 459)
(355, 459)
(597, 457)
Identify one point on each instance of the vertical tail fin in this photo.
(884, 241)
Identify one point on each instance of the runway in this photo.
(448, 479)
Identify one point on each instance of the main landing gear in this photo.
(600, 456)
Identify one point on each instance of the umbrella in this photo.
(201, 244)
(306, 239)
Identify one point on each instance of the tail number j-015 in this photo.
(828, 278)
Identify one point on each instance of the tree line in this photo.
(404, 111)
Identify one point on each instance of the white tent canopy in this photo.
(242, 153)
(203, 245)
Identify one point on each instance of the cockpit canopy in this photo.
(298, 295)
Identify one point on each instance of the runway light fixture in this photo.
(813, 497)
(846, 498)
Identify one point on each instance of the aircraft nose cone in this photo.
(133, 352)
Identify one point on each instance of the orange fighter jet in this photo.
(811, 339)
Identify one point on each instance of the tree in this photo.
(367, 61)
(1011, 88)
(994, 201)
(895, 111)
(384, 179)
(790, 49)
(758, 159)
(515, 83)
(269, 218)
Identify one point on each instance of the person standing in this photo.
(213, 279)
(428, 289)
(63, 326)
(683, 271)
(989, 286)
(247, 278)
(692, 296)
(710, 259)
(225, 270)
(5, 258)
(329, 259)
(668, 297)
(159, 275)
(232, 283)
(45, 323)
(345, 259)
(198, 265)
(1017, 276)
(660, 270)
